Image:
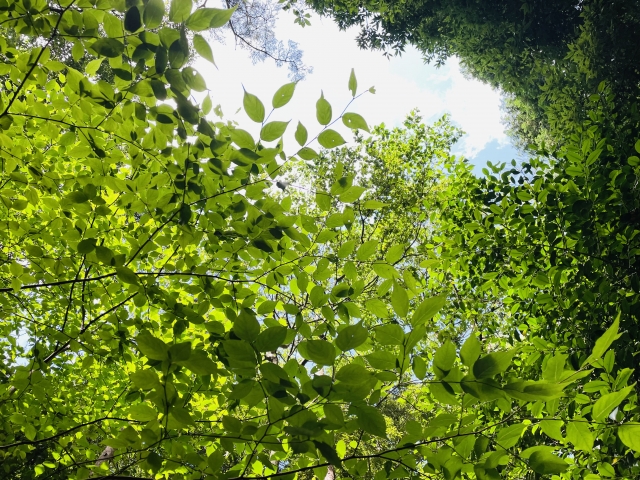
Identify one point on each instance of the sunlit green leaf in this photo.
(282, 97)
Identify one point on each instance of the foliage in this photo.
(167, 315)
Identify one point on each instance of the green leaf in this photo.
(552, 428)
(427, 310)
(221, 17)
(200, 19)
(390, 334)
(371, 420)
(399, 300)
(254, 107)
(181, 415)
(87, 245)
(353, 374)
(301, 134)
(153, 13)
(555, 368)
(180, 10)
(246, 327)
(151, 347)
(377, 307)
(273, 130)
(604, 342)
(445, 356)
(142, 413)
(367, 249)
(270, 339)
(242, 138)
(534, 391)
(355, 121)
(35, 251)
(373, 205)
(145, 379)
(93, 66)
(353, 83)
(199, 363)
(384, 270)
(579, 433)
(180, 352)
(323, 111)
(320, 352)
(629, 434)
(346, 248)
(330, 139)
(382, 360)
(492, 364)
(351, 337)
(108, 47)
(104, 255)
(282, 97)
(419, 367)
(126, 275)
(470, 350)
(307, 153)
(203, 48)
(509, 436)
(545, 463)
(352, 194)
(605, 404)
(486, 390)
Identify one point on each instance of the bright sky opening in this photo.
(402, 84)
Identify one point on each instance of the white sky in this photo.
(402, 84)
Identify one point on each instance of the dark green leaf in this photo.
(320, 352)
(270, 339)
(492, 364)
(127, 275)
(132, 20)
(151, 347)
(545, 463)
(371, 420)
(108, 47)
(246, 326)
(351, 337)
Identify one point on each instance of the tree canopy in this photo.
(180, 299)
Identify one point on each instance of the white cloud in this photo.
(402, 84)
